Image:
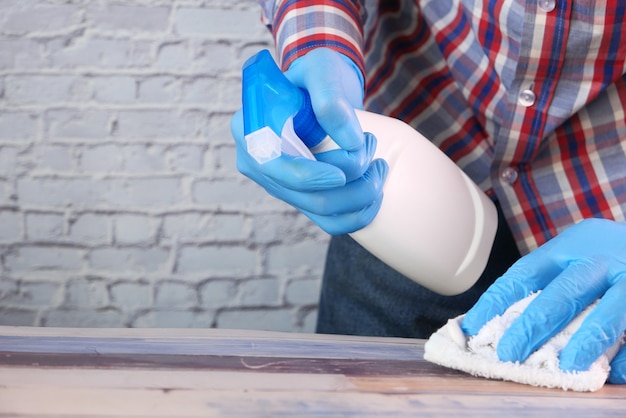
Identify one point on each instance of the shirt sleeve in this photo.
(301, 25)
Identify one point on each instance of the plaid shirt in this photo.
(527, 97)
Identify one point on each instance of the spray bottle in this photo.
(434, 226)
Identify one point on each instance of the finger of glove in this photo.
(579, 285)
(352, 197)
(352, 163)
(618, 368)
(347, 222)
(338, 119)
(598, 332)
(529, 274)
(294, 173)
(301, 174)
(332, 85)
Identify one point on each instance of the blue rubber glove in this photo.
(585, 262)
(342, 190)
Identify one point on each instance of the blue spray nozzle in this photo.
(270, 99)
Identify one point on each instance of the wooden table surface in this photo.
(61, 372)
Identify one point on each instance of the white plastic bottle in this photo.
(435, 225)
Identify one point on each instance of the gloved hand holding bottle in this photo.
(584, 263)
(301, 138)
(341, 190)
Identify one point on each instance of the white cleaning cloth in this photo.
(476, 355)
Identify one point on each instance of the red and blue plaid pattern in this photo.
(527, 97)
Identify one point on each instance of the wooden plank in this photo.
(63, 401)
(168, 380)
(205, 342)
(47, 372)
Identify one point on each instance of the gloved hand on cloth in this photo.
(584, 263)
(342, 190)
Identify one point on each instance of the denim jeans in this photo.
(362, 296)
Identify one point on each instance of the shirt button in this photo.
(527, 98)
(547, 5)
(509, 175)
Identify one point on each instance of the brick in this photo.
(134, 229)
(38, 89)
(272, 227)
(175, 295)
(151, 124)
(135, 18)
(79, 124)
(228, 192)
(185, 158)
(219, 94)
(88, 228)
(174, 56)
(216, 22)
(215, 58)
(8, 159)
(52, 157)
(229, 227)
(303, 256)
(291, 225)
(101, 158)
(303, 292)
(17, 316)
(5, 191)
(229, 98)
(201, 90)
(219, 130)
(44, 226)
(41, 18)
(139, 158)
(131, 295)
(135, 260)
(101, 53)
(259, 292)
(216, 259)
(37, 295)
(144, 158)
(44, 257)
(57, 192)
(197, 123)
(84, 293)
(21, 126)
(309, 322)
(89, 192)
(218, 293)
(226, 161)
(8, 290)
(83, 89)
(257, 319)
(158, 89)
(115, 89)
(198, 227)
(10, 226)
(186, 227)
(175, 318)
(143, 192)
(22, 53)
(89, 318)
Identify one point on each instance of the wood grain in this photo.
(51, 372)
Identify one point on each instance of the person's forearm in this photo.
(301, 25)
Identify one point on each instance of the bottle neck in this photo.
(305, 123)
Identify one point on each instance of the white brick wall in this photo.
(120, 202)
